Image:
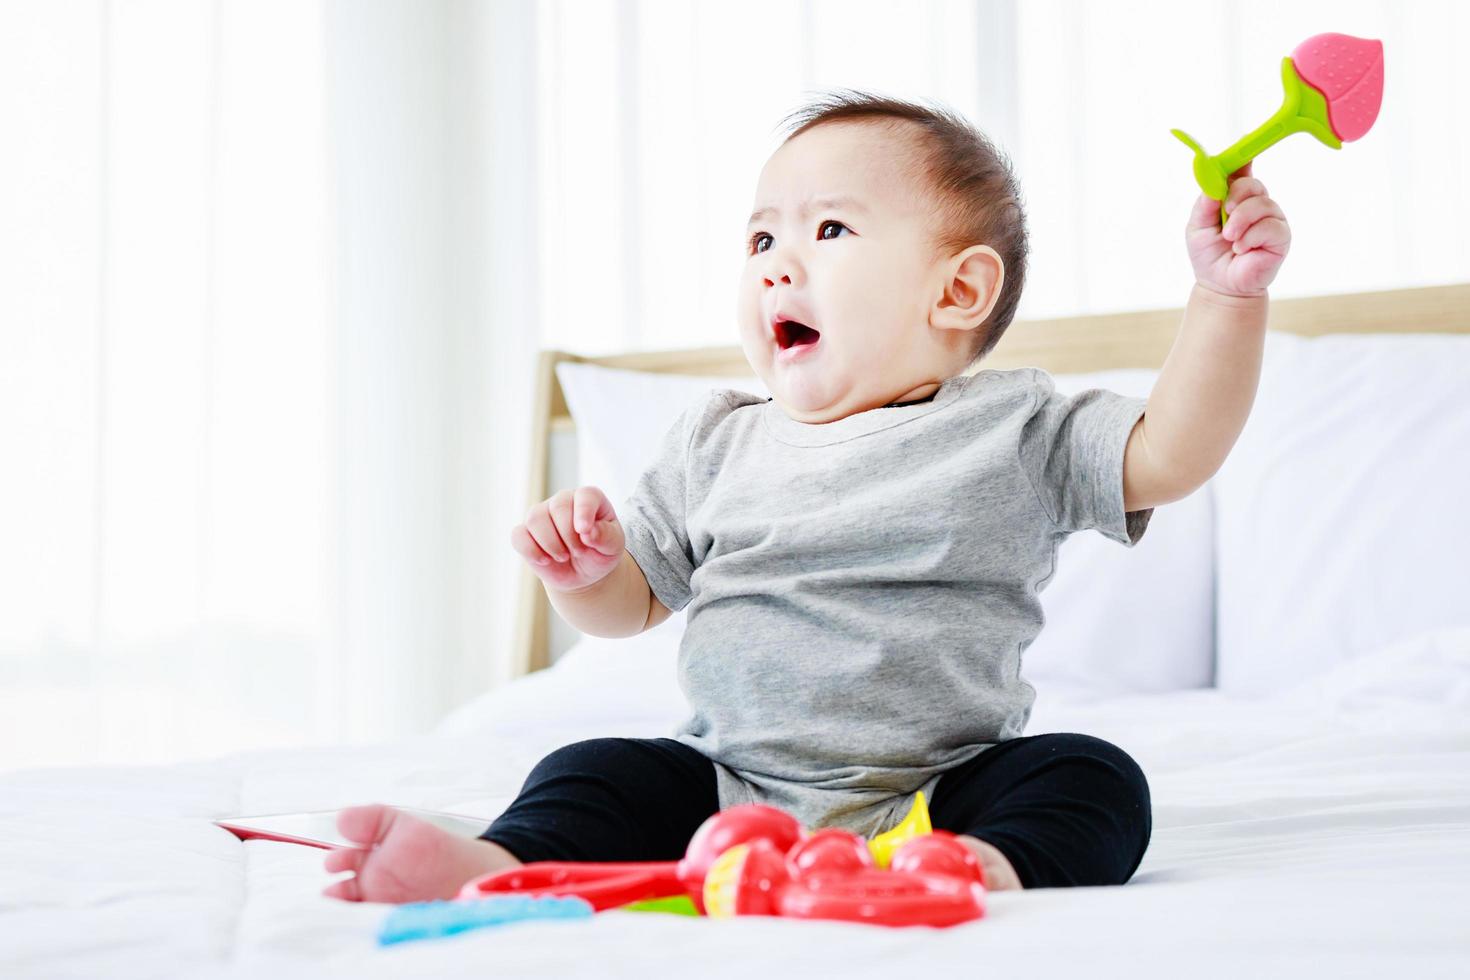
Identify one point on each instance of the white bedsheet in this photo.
(1322, 832)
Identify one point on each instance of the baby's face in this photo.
(859, 271)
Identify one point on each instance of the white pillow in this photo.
(1117, 619)
(621, 416)
(1341, 512)
(1130, 620)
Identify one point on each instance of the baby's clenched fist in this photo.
(571, 540)
(1243, 257)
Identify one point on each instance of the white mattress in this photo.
(1325, 831)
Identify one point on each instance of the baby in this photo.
(861, 553)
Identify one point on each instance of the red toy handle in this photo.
(605, 884)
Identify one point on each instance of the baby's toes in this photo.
(366, 824)
(345, 858)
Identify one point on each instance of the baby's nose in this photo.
(782, 278)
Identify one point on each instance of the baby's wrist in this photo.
(1233, 301)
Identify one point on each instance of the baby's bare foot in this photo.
(999, 875)
(403, 859)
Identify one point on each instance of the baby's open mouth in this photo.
(790, 333)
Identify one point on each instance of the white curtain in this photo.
(273, 275)
(167, 379)
(264, 369)
(431, 127)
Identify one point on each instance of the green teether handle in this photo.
(1303, 110)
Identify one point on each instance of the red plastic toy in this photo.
(933, 881)
(757, 860)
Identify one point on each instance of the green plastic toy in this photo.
(674, 904)
(1334, 88)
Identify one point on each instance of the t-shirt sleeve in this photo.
(654, 516)
(1072, 450)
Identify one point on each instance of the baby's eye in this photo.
(823, 227)
(754, 244)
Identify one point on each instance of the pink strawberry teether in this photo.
(1334, 87)
(1348, 71)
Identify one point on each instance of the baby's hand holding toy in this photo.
(1242, 258)
(1333, 88)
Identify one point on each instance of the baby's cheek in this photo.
(747, 306)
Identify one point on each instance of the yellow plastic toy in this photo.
(916, 824)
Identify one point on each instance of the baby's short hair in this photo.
(979, 199)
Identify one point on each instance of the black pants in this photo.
(1065, 809)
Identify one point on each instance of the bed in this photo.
(1286, 653)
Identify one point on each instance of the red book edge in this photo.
(251, 833)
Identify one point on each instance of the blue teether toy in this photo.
(426, 920)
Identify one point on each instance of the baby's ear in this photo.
(973, 279)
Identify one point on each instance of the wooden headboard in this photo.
(1061, 346)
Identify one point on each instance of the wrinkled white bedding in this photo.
(1323, 831)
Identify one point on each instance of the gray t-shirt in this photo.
(860, 592)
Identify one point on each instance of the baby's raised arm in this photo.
(1205, 389)
(575, 544)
